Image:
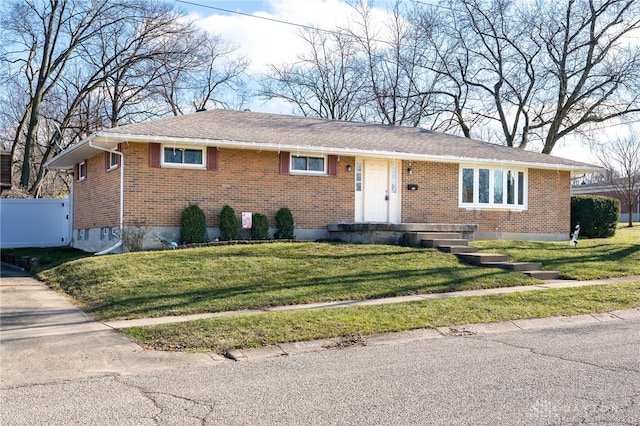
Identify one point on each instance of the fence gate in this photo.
(35, 222)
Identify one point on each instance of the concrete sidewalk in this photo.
(45, 338)
(551, 284)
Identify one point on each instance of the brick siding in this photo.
(246, 180)
(436, 201)
(251, 181)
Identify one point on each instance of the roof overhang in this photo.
(102, 141)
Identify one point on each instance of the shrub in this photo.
(259, 227)
(228, 224)
(193, 225)
(284, 223)
(597, 216)
(133, 235)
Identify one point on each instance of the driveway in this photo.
(44, 338)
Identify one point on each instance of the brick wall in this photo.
(436, 201)
(96, 199)
(250, 181)
(246, 180)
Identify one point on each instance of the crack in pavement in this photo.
(548, 355)
(172, 404)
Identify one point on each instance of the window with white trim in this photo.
(487, 187)
(180, 156)
(113, 160)
(309, 164)
(82, 170)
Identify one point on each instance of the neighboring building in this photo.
(5, 171)
(606, 190)
(324, 171)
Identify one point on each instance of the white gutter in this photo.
(277, 147)
(119, 243)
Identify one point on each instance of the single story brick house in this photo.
(326, 172)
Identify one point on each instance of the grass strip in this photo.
(256, 330)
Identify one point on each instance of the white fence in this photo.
(35, 222)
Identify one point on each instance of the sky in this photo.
(254, 28)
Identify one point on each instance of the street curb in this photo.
(454, 331)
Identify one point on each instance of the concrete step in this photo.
(543, 275)
(516, 266)
(458, 249)
(481, 259)
(414, 239)
(444, 242)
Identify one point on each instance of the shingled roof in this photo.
(253, 130)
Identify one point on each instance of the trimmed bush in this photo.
(228, 224)
(284, 223)
(193, 225)
(259, 227)
(597, 215)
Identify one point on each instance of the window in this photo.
(394, 179)
(183, 157)
(82, 170)
(358, 177)
(113, 160)
(482, 187)
(308, 164)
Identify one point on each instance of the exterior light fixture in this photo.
(410, 171)
(348, 167)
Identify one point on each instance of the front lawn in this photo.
(224, 278)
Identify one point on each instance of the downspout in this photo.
(119, 243)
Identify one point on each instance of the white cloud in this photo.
(265, 41)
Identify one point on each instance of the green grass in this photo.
(223, 278)
(590, 259)
(255, 330)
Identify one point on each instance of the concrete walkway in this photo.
(551, 284)
(45, 338)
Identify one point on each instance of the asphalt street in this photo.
(59, 367)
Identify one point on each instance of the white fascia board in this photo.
(109, 139)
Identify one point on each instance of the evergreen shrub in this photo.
(284, 224)
(228, 224)
(259, 227)
(596, 215)
(193, 225)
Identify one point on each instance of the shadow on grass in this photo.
(311, 290)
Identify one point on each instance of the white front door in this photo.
(376, 191)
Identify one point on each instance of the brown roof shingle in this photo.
(322, 135)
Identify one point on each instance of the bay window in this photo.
(493, 188)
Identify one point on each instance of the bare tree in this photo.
(46, 35)
(540, 71)
(399, 80)
(621, 160)
(325, 82)
(593, 64)
(80, 65)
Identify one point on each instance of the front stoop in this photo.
(453, 243)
